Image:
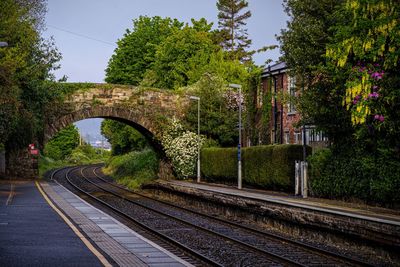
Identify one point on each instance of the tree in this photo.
(366, 48)
(136, 50)
(347, 53)
(182, 57)
(303, 44)
(170, 58)
(25, 65)
(63, 143)
(218, 109)
(304, 40)
(233, 36)
(122, 137)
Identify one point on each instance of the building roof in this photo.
(276, 68)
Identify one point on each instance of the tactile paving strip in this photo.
(124, 246)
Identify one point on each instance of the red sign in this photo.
(34, 151)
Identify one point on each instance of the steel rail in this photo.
(121, 213)
(251, 247)
(310, 248)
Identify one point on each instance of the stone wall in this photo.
(381, 232)
(21, 165)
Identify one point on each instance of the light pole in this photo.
(198, 135)
(239, 87)
(304, 126)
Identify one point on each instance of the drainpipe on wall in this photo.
(281, 133)
(275, 114)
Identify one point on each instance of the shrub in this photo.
(350, 174)
(77, 157)
(134, 168)
(88, 150)
(181, 146)
(266, 166)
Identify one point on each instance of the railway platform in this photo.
(45, 224)
(365, 221)
(32, 234)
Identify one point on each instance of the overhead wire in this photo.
(81, 35)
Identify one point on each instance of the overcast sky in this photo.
(85, 31)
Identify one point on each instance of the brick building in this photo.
(284, 127)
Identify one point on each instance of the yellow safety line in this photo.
(11, 195)
(76, 231)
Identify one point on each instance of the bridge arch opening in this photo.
(141, 123)
(149, 151)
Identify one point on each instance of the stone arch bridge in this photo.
(145, 109)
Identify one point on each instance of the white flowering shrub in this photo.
(181, 146)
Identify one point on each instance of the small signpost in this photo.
(33, 150)
(34, 154)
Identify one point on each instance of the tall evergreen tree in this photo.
(233, 35)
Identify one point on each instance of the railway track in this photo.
(215, 241)
(62, 176)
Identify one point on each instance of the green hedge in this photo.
(265, 166)
(354, 175)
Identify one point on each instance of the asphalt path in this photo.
(33, 234)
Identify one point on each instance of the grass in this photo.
(80, 156)
(133, 169)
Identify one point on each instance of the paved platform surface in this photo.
(33, 234)
(124, 246)
(364, 212)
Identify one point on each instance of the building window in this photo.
(287, 138)
(297, 138)
(292, 94)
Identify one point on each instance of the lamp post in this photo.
(304, 126)
(239, 87)
(198, 135)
